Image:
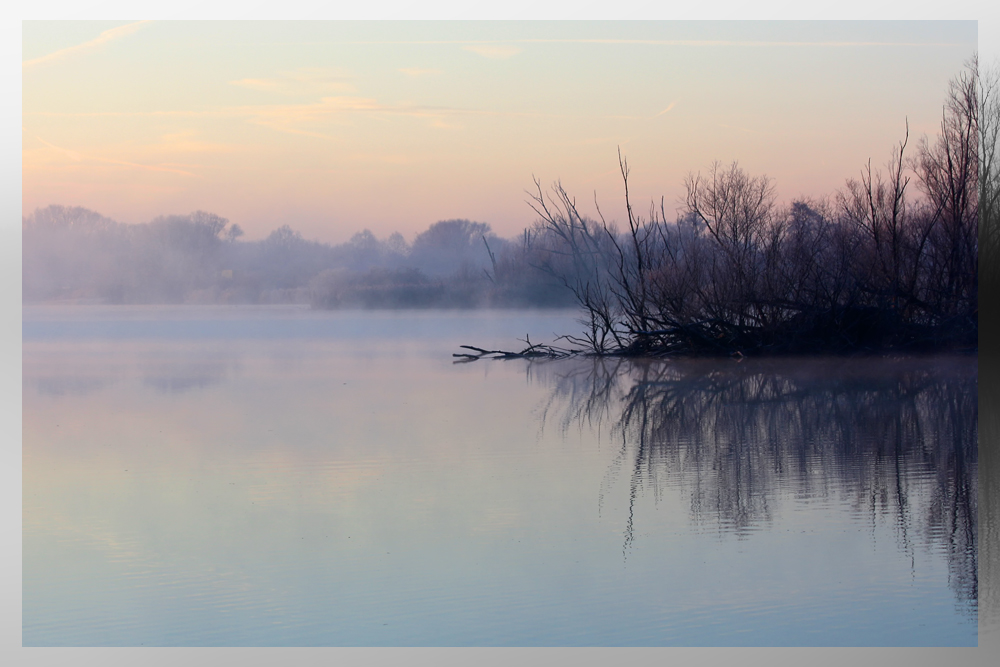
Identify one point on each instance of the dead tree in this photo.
(948, 171)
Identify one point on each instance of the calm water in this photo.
(276, 476)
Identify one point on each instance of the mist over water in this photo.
(282, 476)
(74, 255)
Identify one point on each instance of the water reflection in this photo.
(356, 490)
(989, 476)
(66, 369)
(896, 440)
(180, 378)
(67, 386)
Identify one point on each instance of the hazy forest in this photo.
(889, 261)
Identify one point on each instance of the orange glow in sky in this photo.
(333, 127)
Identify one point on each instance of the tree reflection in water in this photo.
(989, 517)
(894, 438)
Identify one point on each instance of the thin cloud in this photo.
(147, 167)
(326, 108)
(309, 119)
(210, 113)
(267, 85)
(313, 119)
(333, 106)
(594, 141)
(100, 40)
(185, 142)
(446, 126)
(669, 107)
(726, 42)
(475, 44)
(416, 71)
(78, 157)
(738, 128)
(72, 155)
(290, 118)
(278, 125)
(493, 51)
(303, 81)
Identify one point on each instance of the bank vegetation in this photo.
(890, 262)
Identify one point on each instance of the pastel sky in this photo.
(333, 127)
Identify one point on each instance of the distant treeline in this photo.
(76, 254)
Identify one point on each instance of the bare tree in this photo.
(737, 211)
(989, 168)
(576, 250)
(734, 206)
(948, 171)
(877, 206)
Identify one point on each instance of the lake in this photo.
(277, 476)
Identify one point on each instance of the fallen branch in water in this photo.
(533, 351)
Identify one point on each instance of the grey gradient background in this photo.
(11, 653)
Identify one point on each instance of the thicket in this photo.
(875, 267)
